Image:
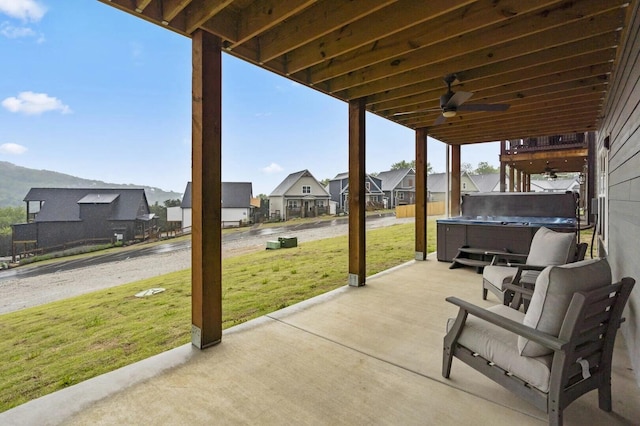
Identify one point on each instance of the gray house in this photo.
(399, 187)
(237, 208)
(299, 195)
(339, 190)
(62, 217)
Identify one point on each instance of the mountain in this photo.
(16, 181)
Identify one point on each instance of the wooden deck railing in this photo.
(545, 143)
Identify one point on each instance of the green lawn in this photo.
(52, 346)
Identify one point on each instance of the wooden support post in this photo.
(503, 167)
(455, 180)
(206, 191)
(591, 176)
(521, 181)
(421, 194)
(357, 194)
(512, 178)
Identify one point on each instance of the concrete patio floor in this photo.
(369, 355)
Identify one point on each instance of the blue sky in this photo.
(91, 91)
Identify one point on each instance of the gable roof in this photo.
(485, 182)
(234, 195)
(373, 189)
(392, 178)
(63, 204)
(554, 185)
(437, 182)
(186, 198)
(290, 180)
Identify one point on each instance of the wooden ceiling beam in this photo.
(141, 5)
(577, 104)
(538, 77)
(568, 54)
(171, 9)
(375, 26)
(544, 129)
(200, 11)
(262, 15)
(476, 16)
(317, 21)
(490, 43)
(524, 121)
(554, 91)
(571, 125)
(516, 54)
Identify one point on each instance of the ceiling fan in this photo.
(550, 172)
(452, 102)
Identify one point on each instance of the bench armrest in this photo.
(544, 339)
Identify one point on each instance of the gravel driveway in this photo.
(16, 294)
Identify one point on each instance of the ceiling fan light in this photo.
(449, 114)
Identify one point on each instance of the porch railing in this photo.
(545, 143)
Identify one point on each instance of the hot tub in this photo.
(498, 221)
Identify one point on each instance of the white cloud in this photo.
(12, 148)
(31, 103)
(9, 31)
(26, 10)
(272, 168)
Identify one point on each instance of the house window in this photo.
(400, 195)
(410, 183)
(306, 189)
(367, 185)
(464, 185)
(292, 204)
(320, 203)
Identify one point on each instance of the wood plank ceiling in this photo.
(551, 61)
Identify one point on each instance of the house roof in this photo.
(290, 180)
(234, 195)
(392, 178)
(485, 182)
(375, 189)
(437, 182)
(186, 198)
(555, 184)
(551, 61)
(63, 204)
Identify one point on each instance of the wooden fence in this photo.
(435, 208)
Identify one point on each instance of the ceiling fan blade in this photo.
(415, 111)
(440, 120)
(484, 107)
(458, 99)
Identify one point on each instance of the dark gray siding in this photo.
(622, 126)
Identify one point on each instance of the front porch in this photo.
(368, 355)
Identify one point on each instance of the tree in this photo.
(409, 165)
(466, 167)
(403, 165)
(485, 168)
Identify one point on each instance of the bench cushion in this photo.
(500, 346)
(552, 295)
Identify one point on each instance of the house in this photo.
(60, 217)
(399, 187)
(299, 195)
(489, 182)
(238, 205)
(338, 188)
(555, 185)
(437, 185)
